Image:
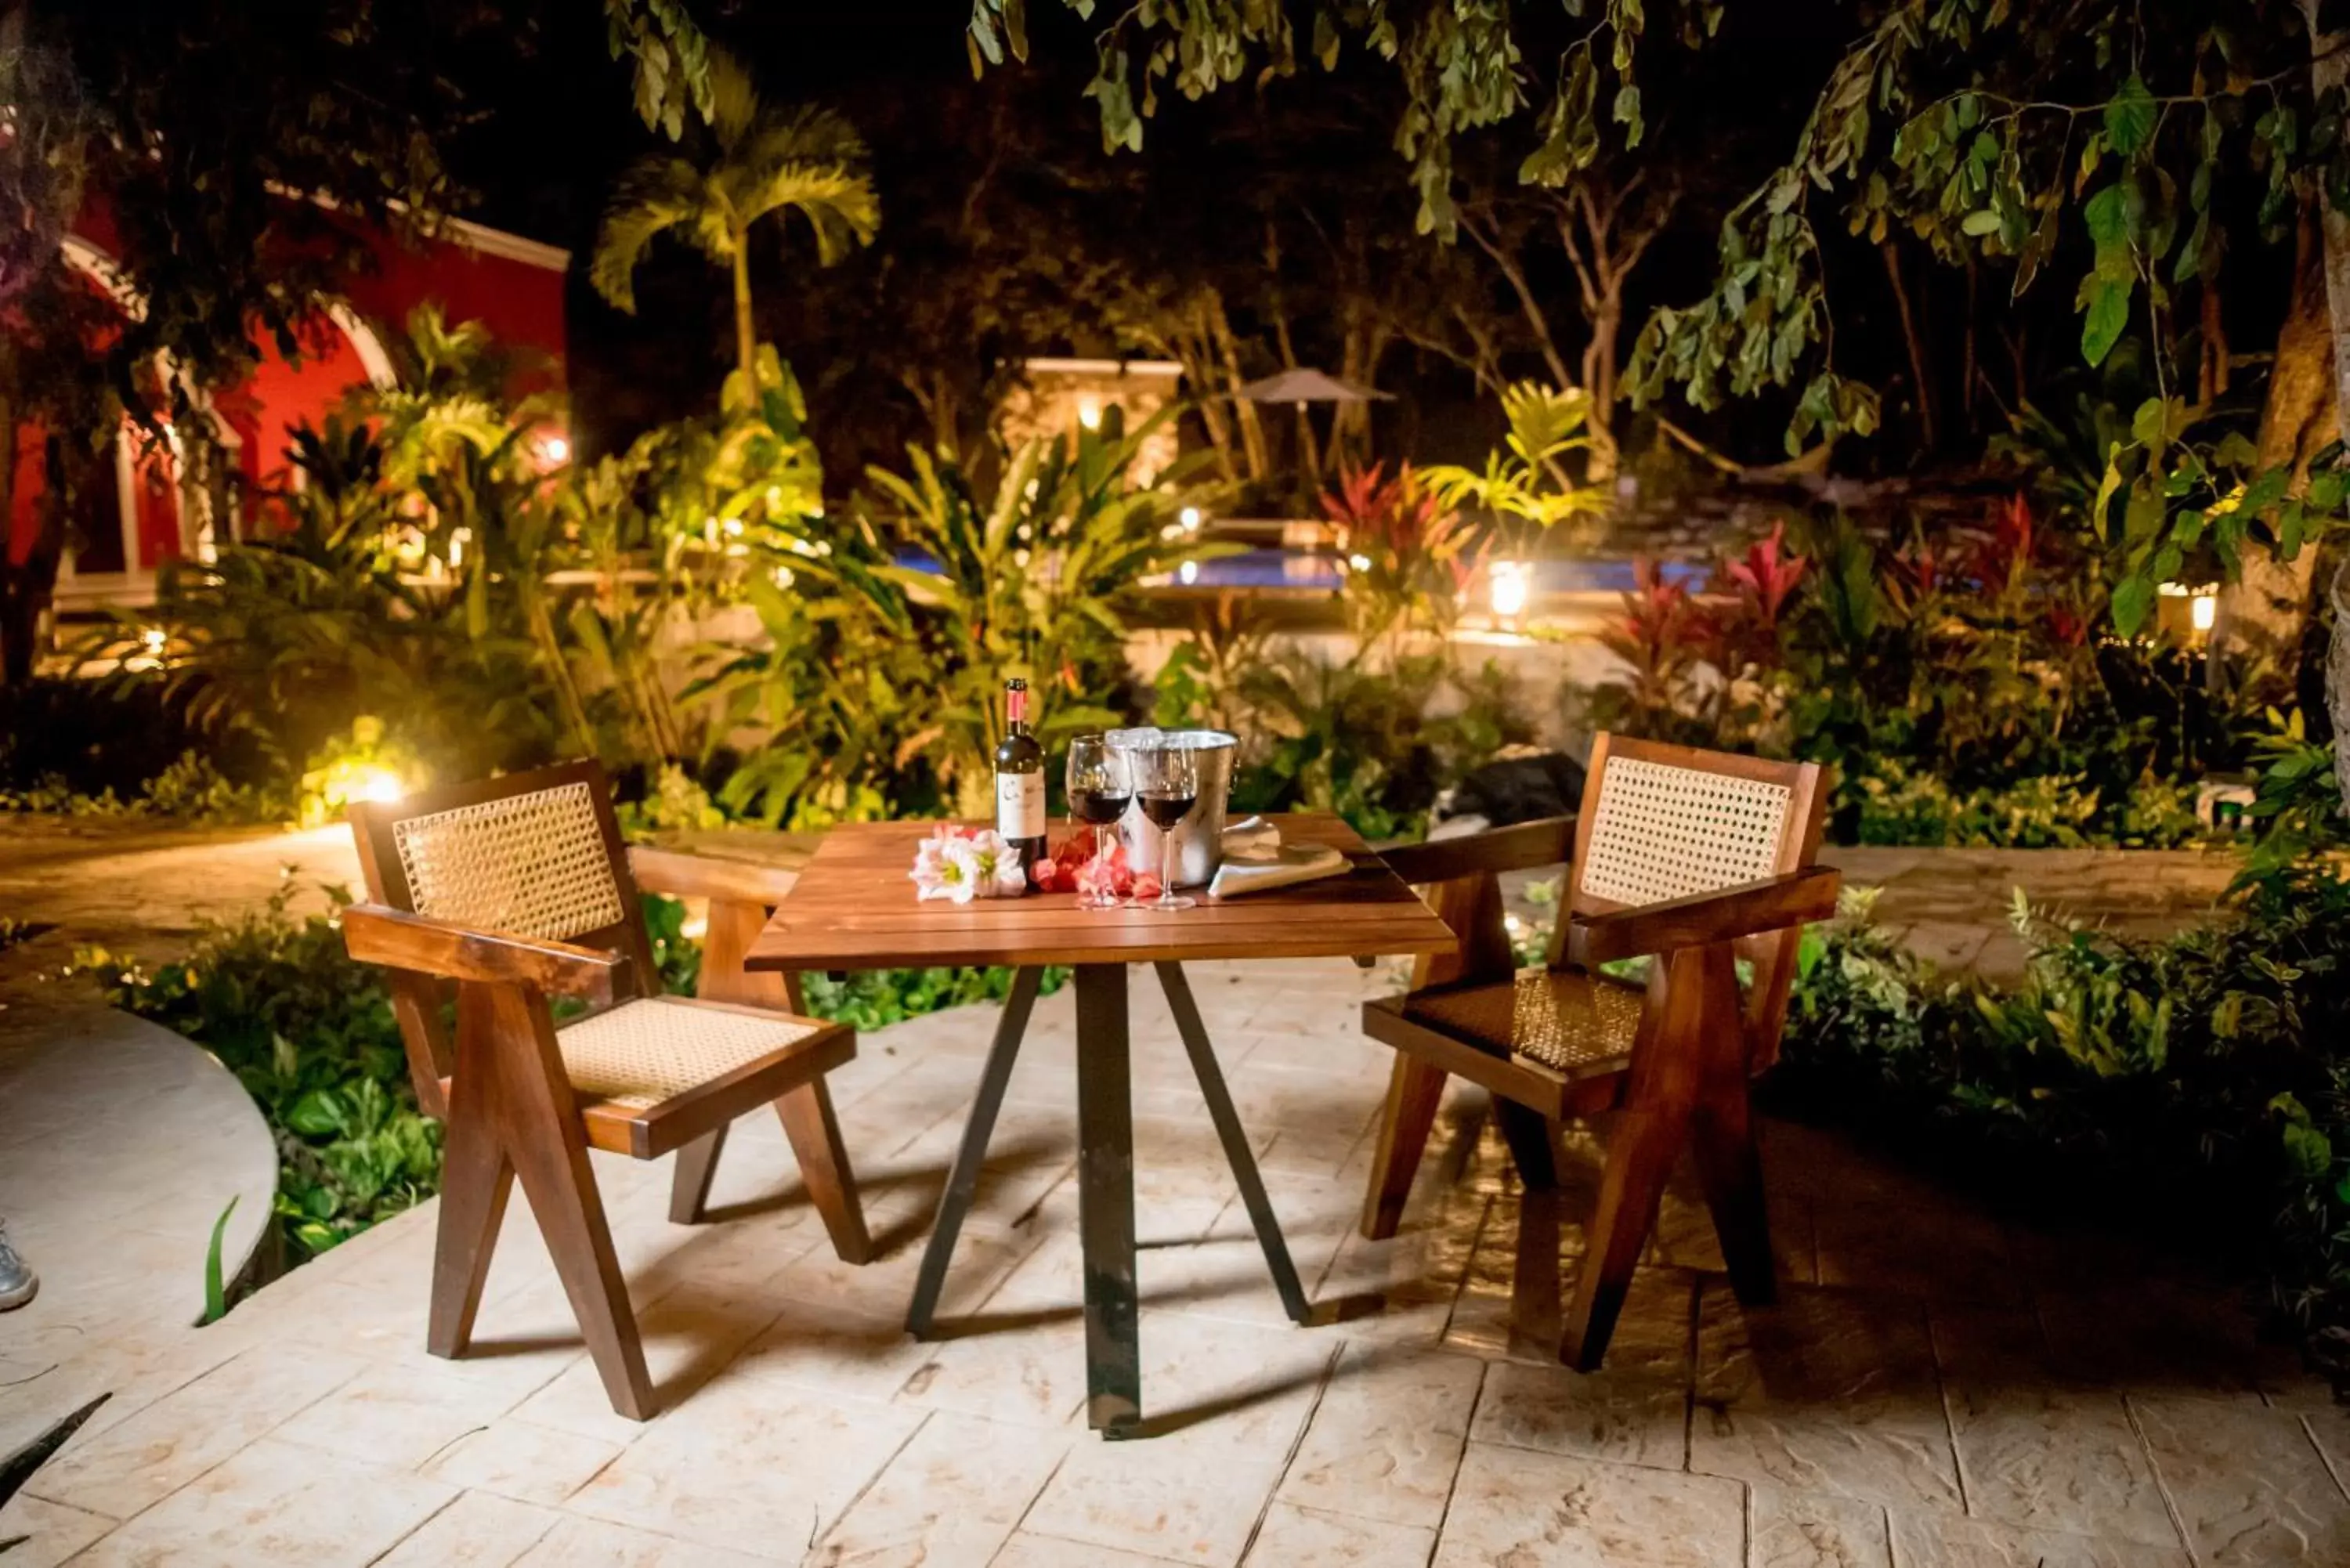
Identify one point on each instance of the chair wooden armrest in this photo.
(683, 875)
(375, 934)
(1546, 842)
(1772, 904)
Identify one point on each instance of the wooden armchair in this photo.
(1699, 858)
(519, 889)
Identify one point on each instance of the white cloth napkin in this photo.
(1256, 861)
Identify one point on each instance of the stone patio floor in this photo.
(1935, 1390)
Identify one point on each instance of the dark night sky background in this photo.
(557, 124)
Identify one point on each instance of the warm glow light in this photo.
(1190, 518)
(2204, 610)
(374, 783)
(1360, 563)
(1508, 588)
(555, 448)
(153, 637)
(458, 539)
(1089, 412)
(1188, 571)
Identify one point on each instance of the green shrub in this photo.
(2205, 1078)
(1892, 805)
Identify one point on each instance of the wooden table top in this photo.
(854, 907)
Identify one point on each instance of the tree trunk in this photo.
(2327, 74)
(1220, 332)
(2260, 615)
(1917, 345)
(746, 337)
(1599, 380)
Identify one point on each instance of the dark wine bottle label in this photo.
(1020, 805)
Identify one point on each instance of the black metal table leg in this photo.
(1106, 1200)
(963, 1179)
(1178, 986)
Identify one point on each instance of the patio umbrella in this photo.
(1307, 385)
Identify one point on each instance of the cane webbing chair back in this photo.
(1661, 822)
(533, 864)
(534, 855)
(1661, 831)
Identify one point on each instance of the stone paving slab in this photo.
(1919, 1421)
(121, 1146)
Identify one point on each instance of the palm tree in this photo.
(767, 159)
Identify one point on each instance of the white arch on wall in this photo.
(366, 344)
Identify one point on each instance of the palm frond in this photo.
(735, 102)
(652, 196)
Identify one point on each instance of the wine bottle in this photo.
(1020, 781)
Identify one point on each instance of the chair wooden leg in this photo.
(1640, 1155)
(475, 1180)
(1731, 1168)
(1533, 1278)
(1689, 1034)
(808, 1122)
(1414, 1091)
(689, 1182)
(1532, 1148)
(505, 1031)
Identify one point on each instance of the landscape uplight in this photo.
(374, 783)
(1507, 588)
(1089, 412)
(555, 448)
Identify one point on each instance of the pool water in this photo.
(1268, 568)
(1282, 569)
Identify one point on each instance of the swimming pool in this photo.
(1287, 570)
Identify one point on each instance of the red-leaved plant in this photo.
(1763, 579)
(1999, 562)
(1661, 633)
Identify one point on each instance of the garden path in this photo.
(120, 1145)
(1939, 1388)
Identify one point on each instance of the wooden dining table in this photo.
(854, 907)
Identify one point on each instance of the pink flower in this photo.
(969, 870)
(961, 866)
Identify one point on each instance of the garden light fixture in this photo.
(1089, 412)
(2203, 610)
(374, 783)
(554, 449)
(1506, 588)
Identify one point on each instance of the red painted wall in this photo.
(520, 301)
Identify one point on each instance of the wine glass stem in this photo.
(1167, 866)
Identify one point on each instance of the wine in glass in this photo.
(1165, 782)
(1100, 783)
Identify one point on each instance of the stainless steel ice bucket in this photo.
(1199, 837)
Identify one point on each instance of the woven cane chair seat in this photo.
(1664, 832)
(534, 865)
(1568, 1021)
(642, 1052)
